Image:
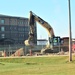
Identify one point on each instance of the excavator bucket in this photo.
(28, 43)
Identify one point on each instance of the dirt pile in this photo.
(19, 52)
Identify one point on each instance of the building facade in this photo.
(14, 30)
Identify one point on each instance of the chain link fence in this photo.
(21, 50)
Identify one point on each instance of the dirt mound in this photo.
(19, 52)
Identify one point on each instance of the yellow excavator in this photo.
(30, 42)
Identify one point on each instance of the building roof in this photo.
(42, 40)
(7, 16)
(65, 37)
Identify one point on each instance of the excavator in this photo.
(30, 42)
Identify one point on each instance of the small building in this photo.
(65, 43)
(42, 42)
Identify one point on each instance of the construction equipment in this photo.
(34, 18)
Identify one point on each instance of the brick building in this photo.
(14, 30)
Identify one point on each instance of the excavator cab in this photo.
(56, 41)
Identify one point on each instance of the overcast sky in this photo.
(55, 12)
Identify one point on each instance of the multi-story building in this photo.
(14, 30)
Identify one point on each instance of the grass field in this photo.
(54, 65)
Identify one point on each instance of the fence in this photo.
(24, 50)
(11, 49)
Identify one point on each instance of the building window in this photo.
(3, 35)
(15, 28)
(2, 28)
(26, 23)
(21, 22)
(2, 21)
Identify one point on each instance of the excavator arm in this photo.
(42, 23)
(34, 18)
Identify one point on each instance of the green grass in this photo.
(58, 65)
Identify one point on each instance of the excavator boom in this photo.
(34, 17)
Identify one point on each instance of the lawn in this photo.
(53, 65)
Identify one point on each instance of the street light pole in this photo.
(70, 37)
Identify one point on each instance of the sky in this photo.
(55, 12)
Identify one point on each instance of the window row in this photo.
(19, 22)
(13, 35)
(2, 28)
(23, 22)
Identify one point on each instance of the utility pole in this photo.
(70, 37)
